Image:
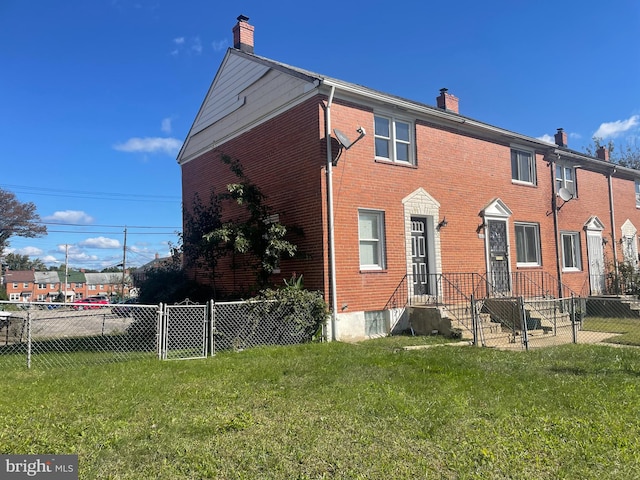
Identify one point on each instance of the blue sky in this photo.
(97, 96)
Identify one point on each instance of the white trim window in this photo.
(523, 166)
(528, 245)
(637, 194)
(393, 139)
(566, 178)
(14, 297)
(571, 251)
(371, 239)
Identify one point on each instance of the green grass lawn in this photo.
(338, 411)
(628, 328)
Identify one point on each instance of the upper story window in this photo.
(566, 178)
(528, 244)
(393, 139)
(42, 286)
(523, 166)
(371, 236)
(637, 193)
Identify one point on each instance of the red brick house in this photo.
(32, 286)
(414, 198)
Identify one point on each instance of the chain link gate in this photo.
(184, 332)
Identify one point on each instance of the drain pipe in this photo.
(332, 255)
(612, 219)
(556, 228)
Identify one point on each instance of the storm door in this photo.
(498, 256)
(419, 256)
(596, 261)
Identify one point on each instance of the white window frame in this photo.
(516, 173)
(537, 251)
(393, 141)
(637, 182)
(375, 242)
(561, 178)
(576, 265)
(14, 297)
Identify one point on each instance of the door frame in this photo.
(594, 228)
(420, 204)
(496, 210)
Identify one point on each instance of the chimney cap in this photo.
(242, 18)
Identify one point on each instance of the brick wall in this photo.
(286, 157)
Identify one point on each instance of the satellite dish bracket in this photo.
(345, 143)
(565, 195)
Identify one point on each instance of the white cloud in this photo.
(100, 242)
(617, 128)
(170, 146)
(547, 138)
(196, 46)
(192, 46)
(219, 45)
(70, 216)
(28, 251)
(50, 259)
(166, 125)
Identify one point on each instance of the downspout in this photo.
(612, 219)
(332, 256)
(556, 229)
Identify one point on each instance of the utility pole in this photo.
(66, 271)
(124, 262)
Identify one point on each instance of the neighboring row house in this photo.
(50, 286)
(392, 194)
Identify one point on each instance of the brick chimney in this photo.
(243, 35)
(603, 153)
(448, 102)
(561, 138)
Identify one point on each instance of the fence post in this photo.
(29, 336)
(474, 321)
(523, 317)
(160, 331)
(572, 314)
(212, 326)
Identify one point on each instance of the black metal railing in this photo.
(455, 288)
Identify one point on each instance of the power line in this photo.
(63, 224)
(52, 192)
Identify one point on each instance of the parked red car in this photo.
(91, 303)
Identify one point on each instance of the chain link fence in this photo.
(56, 334)
(241, 325)
(516, 323)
